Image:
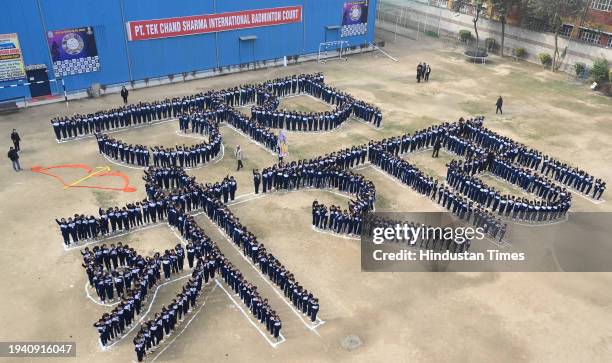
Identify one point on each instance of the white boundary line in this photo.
(333, 234)
(235, 202)
(187, 324)
(594, 201)
(541, 223)
(263, 334)
(385, 53)
(144, 315)
(191, 135)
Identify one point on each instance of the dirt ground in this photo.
(446, 317)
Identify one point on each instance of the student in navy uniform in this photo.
(256, 180)
(103, 331)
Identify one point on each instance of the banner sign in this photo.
(73, 51)
(210, 23)
(354, 18)
(11, 60)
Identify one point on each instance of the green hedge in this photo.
(600, 70)
(545, 59)
(519, 52)
(465, 35)
(579, 68)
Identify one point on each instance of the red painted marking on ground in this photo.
(126, 180)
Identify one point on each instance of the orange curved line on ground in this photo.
(126, 188)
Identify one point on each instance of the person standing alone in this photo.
(16, 139)
(239, 158)
(499, 104)
(13, 155)
(124, 94)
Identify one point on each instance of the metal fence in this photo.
(400, 18)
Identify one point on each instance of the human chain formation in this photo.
(266, 111)
(155, 208)
(212, 108)
(119, 268)
(464, 195)
(184, 156)
(327, 172)
(180, 195)
(121, 277)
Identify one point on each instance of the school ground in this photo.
(369, 317)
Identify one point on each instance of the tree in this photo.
(478, 9)
(502, 8)
(558, 12)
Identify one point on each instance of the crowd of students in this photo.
(269, 265)
(156, 207)
(556, 202)
(122, 117)
(120, 268)
(266, 112)
(517, 153)
(453, 201)
(119, 274)
(326, 172)
(183, 156)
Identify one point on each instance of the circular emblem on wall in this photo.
(72, 43)
(356, 12)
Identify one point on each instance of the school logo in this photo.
(72, 43)
(355, 13)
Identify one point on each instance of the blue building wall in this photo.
(122, 61)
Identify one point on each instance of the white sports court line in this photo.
(333, 234)
(187, 324)
(263, 333)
